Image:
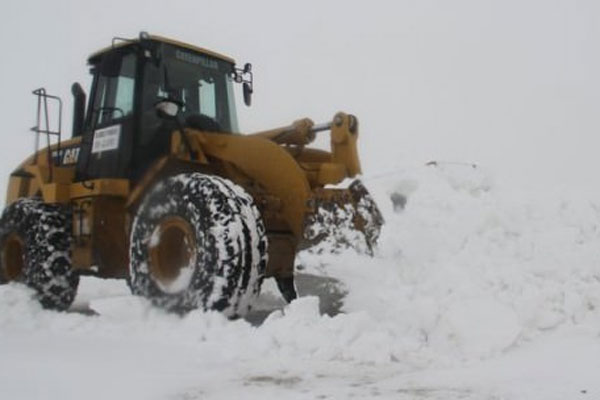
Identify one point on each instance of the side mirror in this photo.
(245, 77)
(247, 87)
(167, 109)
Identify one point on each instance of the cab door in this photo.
(108, 139)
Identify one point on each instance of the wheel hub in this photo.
(172, 252)
(13, 258)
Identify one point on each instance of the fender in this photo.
(268, 164)
(29, 178)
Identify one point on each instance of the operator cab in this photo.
(122, 132)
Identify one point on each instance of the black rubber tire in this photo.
(45, 231)
(230, 246)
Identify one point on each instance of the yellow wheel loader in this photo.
(157, 186)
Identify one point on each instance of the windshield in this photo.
(202, 83)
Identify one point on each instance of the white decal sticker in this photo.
(106, 139)
(66, 156)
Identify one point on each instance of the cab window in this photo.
(207, 98)
(115, 92)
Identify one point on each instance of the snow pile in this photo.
(469, 272)
(474, 293)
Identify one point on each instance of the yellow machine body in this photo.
(285, 178)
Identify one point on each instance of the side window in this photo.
(208, 105)
(124, 100)
(115, 94)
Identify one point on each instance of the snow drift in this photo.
(475, 292)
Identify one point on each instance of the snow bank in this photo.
(468, 280)
(466, 272)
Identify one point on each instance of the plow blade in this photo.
(343, 219)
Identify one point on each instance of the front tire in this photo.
(35, 249)
(198, 241)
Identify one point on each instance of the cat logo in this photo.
(67, 156)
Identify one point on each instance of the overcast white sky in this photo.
(511, 85)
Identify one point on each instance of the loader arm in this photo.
(344, 137)
(300, 132)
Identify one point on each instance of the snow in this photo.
(476, 291)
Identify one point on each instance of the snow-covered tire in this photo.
(198, 241)
(35, 249)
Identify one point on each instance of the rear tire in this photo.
(35, 249)
(198, 241)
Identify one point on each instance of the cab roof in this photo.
(161, 39)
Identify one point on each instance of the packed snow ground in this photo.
(476, 292)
